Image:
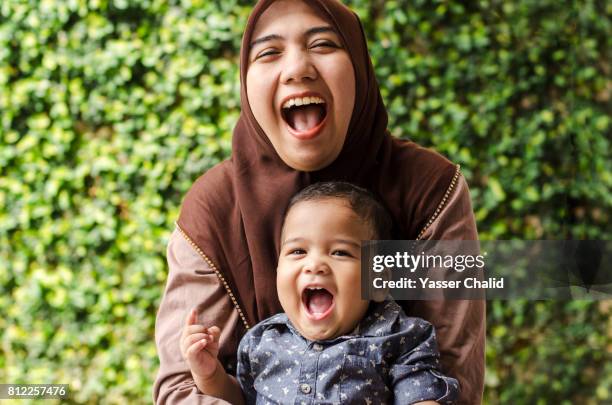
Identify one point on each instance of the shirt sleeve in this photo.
(191, 283)
(244, 372)
(415, 375)
(460, 324)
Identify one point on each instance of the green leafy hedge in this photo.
(109, 110)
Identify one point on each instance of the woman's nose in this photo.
(297, 67)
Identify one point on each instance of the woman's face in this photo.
(300, 84)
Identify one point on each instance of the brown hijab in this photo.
(234, 212)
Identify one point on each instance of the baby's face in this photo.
(319, 268)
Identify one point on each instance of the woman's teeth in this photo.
(298, 101)
(304, 113)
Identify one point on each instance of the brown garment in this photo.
(460, 325)
(191, 284)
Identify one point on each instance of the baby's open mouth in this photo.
(304, 113)
(318, 302)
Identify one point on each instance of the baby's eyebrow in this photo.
(292, 240)
(349, 242)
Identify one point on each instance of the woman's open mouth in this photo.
(305, 115)
(318, 302)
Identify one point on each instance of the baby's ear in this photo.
(381, 294)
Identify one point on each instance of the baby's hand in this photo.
(200, 346)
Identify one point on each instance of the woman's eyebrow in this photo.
(309, 32)
(265, 39)
(318, 30)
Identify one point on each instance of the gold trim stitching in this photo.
(442, 203)
(219, 275)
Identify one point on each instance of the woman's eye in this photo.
(324, 44)
(267, 53)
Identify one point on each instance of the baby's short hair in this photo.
(362, 202)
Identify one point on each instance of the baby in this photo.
(329, 346)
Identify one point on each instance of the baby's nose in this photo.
(317, 266)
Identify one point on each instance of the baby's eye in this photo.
(340, 252)
(297, 252)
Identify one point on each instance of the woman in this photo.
(311, 111)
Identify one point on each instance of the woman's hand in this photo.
(200, 347)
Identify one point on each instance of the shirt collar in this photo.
(378, 321)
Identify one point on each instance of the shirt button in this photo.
(317, 347)
(305, 388)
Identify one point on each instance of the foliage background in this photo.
(109, 110)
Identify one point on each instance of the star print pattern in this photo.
(392, 359)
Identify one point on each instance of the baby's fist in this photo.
(200, 347)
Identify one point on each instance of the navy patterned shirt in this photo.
(389, 358)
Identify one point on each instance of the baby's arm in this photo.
(416, 375)
(200, 347)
